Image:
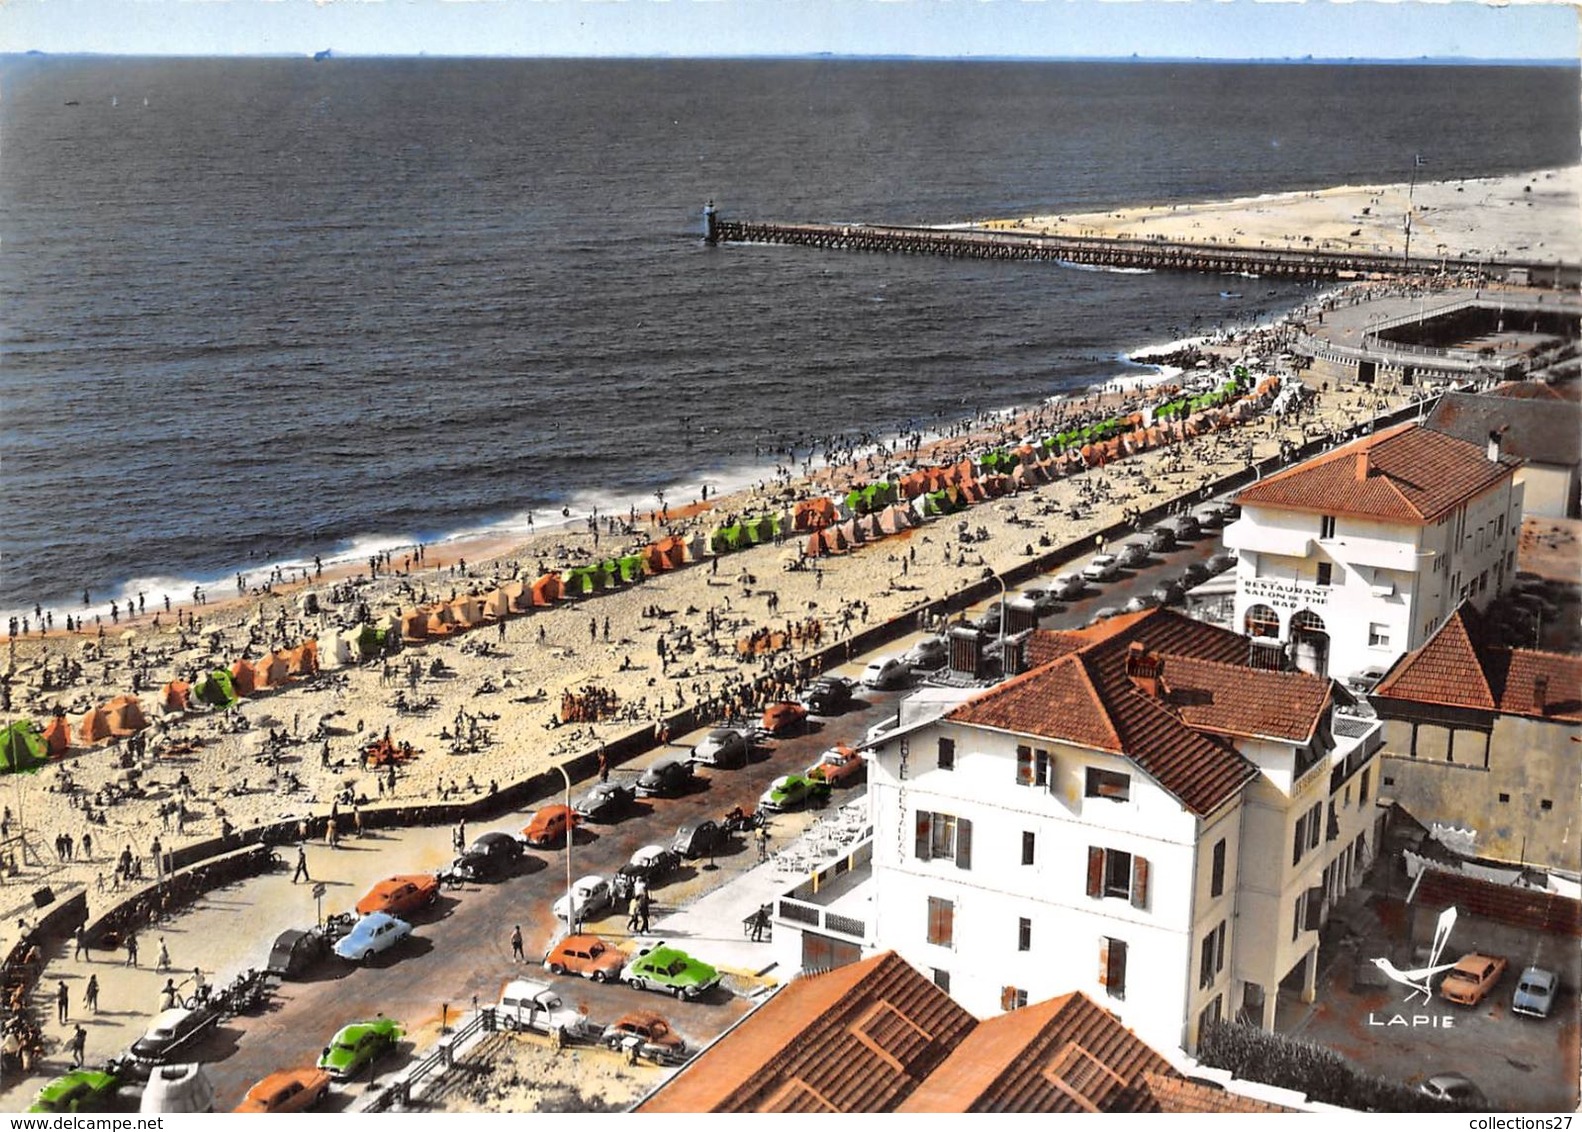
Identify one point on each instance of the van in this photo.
(178, 1088)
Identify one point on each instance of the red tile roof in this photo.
(1503, 903)
(1405, 474)
(1458, 667)
(1080, 693)
(1065, 1055)
(855, 1039)
(1177, 1094)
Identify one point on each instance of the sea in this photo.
(258, 310)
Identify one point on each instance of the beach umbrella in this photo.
(21, 747)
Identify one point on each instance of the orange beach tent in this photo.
(125, 715)
(57, 735)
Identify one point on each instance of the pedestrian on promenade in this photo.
(760, 922)
(87, 847)
(604, 766)
(302, 866)
(516, 945)
(78, 1043)
(644, 904)
(331, 835)
(81, 939)
(632, 916)
(163, 962)
(154, 850)
(169, 996)
(90, 996)
(131, 949)
(763, 842)
(62, 1003)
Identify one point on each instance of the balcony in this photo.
(1248, 537)
(836, 900)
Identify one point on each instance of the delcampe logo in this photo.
(1419, 980)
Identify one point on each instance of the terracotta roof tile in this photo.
(1232, 699)
(1527, 390)
(855, 1039)
(1065, 1055)
(1458, 667)
(1503, 903)
(1547, 431)
(1176, 1094)
(1058, 701)
(1413, 475)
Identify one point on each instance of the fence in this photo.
(436, 1064)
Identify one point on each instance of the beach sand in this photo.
(1525, 216)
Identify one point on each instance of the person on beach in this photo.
(90, 995)
(62, 1003)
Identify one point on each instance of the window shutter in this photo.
(1024, 766)
(963, 843)
(1139, 882)
(925, 834)
(1104, 962)
(1007, 998)
(947, 923)
(1095, 871)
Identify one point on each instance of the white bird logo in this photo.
(1418, 978)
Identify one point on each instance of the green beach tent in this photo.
(21, 747)
(631, 568)
(216, 689)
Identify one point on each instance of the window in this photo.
(942, 979)
(947, 754)
(1216, 880)
(1024, 934)
(1211, 959)
(944, 835)
(1114, 873)
(1483, 581)
(1504, 798)
(941, 921)
(1388, 781)
(1028, 844)
(1109, 784)
(1211, 1013)
(1362, 786)
(1546, 804)
(1326, 527)
(1011, 998)
(1032, 767)
(1325, 570)
(1306, 834)
(1378, 635)
(1112, 966)
(1499, 527)
(1041, 764)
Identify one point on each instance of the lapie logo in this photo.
(1419, 980)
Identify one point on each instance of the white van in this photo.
(178, 1088)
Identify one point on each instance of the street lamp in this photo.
(571, 908)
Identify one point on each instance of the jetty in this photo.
(1133, 254)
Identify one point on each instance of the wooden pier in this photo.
(1152, 255)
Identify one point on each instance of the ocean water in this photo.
(257, 310)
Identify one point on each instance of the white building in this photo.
(1355, 557)
(1141, 816)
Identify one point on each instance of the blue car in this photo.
(374, 933)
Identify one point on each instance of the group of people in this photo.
(588, 704)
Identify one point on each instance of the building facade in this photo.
(1141, 815)
(1355, 557)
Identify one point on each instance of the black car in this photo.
(1186, 528)
(665, 778)
(605, 801)
(1194, 575)
(989, 620)
(928, 654)
(492, 856)
(829, 695)
(296, 951)
(1220, 562)
(1161, 539)
(700, 838)
(650, 864)
(1169, 593)
(172, 1031)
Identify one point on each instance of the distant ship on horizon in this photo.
(320, 56)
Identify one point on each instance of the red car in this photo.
(650, 1034)
(550, 825)
(784, 717)
(588, 956)
(400, 895)
(1472, 977)
(839, 766)
(293, 1090)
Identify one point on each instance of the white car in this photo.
(886, 672)
(1102, 568)
(374, 933)
(589, 896)
(1068, 586)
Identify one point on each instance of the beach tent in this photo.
(548, 590)
(304, 659)
(414, 627)
(57, 736)
(94, 726)
(335, 653)
(579, 581)
(868, 527)
(21, 747)
(440, 621)
(812, 514)
(173, 696)
(630, 567)
(496, 606)
(126, 715)
(761, 528)
(211, 689)
(242, 682)
(697, 547)
(269, 671)
(848, 532)
(726, 539)
(468, 611)
(518, 599)
(370, 641)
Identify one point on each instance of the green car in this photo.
(662, 967)
(358, 1045)
(792, 790)
(81, 1090)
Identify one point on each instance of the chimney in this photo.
(1541, 694)
(1496, 436)
(1144, 669)
(1362, 465)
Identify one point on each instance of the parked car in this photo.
(588, 897)
(1101, 568)
(649, 1034)
(928, 654)
(650, 864)
(400, 895)
(178, 1088)
(839, 766)
(989, 620)
(1193, 574)
(885, 672)
(1230, 512)
(527, 1005)
(81, 1090)
(1209, 517)
(1169, 592)
(296, 951)
(1132, 555)
(374, 934)
(784, 717)
(1535, 993)
(491, 856)
(172, 1031)
(292, 1090)
(586, 955)
(1161, 540)
(1068, 587)
(662, 967)
(1186, 528)
(1453, 1088)
(666, 778)
(605, 801)
(792, 790)
(357, 1045)
(1365, 681)
(723, 746)
(1219, 563)
(699, 838)
(828, 695)
(1103, 612)
(1042, 601)
(1139, 603)
(1473, 976)
(550, 825)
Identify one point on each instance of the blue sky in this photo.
(1211, 29)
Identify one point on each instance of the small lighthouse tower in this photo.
(710, 220)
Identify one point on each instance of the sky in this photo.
(1208, 29)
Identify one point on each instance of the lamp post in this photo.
(571, 909)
